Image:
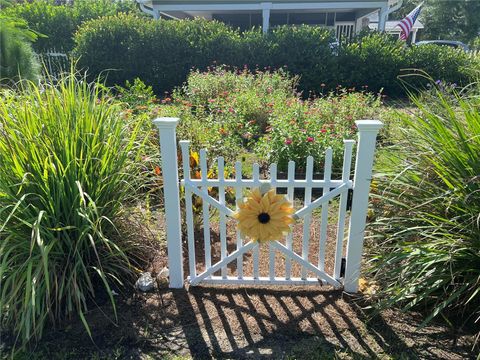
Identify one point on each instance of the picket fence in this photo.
(54, 62)
(331, 188)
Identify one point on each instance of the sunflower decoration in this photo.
(264, 217)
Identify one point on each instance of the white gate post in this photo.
(168, 149)
(367, 135)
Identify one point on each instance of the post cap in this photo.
(369, 125)
(166, 122)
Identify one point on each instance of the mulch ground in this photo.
(241, 322)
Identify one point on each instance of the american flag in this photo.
(407, 24)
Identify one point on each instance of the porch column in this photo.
(382, 18)
(266, 8)
(414, 36)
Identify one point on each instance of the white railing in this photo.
(54, 62)
(331, 188)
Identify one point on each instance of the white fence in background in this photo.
(331, 188)
(54, 62)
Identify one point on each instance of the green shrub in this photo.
(373, 61)
(59, 22)
(67, 167)
(161, 53)
(17, 59)
(303, 50)
(475, 46)
(427, 243)
(440, 63)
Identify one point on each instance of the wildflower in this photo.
(323, 131)
(310, 139)
(194, 159)
(322, 85)
(288, 141)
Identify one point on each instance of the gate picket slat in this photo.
(223, 221)
(307, 219)
(189, 208)
(256, 250)
(290, 189)
(238, 197)
(324, 214)
(206, 210)
(342, 208)
(271, 250)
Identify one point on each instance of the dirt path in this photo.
(246, 323)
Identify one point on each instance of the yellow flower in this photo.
(264, 217)
(194, 159)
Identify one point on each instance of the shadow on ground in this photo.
(297, 323)
(227, 322)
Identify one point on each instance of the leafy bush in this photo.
(373, 61)
(67, 165)
(59, 22)
(303, 50)
(476, 44)
(162, 53)
(17, 59)
(439, 62)
(428, 232)
(158, 52)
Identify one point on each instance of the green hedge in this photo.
(372, 61)
(59, 22)
(163, 52)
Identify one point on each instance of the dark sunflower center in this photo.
(263, 218)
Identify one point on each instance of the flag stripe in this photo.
(406, 25)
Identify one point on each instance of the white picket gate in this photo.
(367, 133)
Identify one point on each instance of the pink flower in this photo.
(323, 130)
(288, 141)
(310, 139)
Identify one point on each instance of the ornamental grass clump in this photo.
(427, 245)
(67, 165)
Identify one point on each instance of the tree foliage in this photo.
(447, 19)
(17, 59)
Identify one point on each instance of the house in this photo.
(346, 17)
